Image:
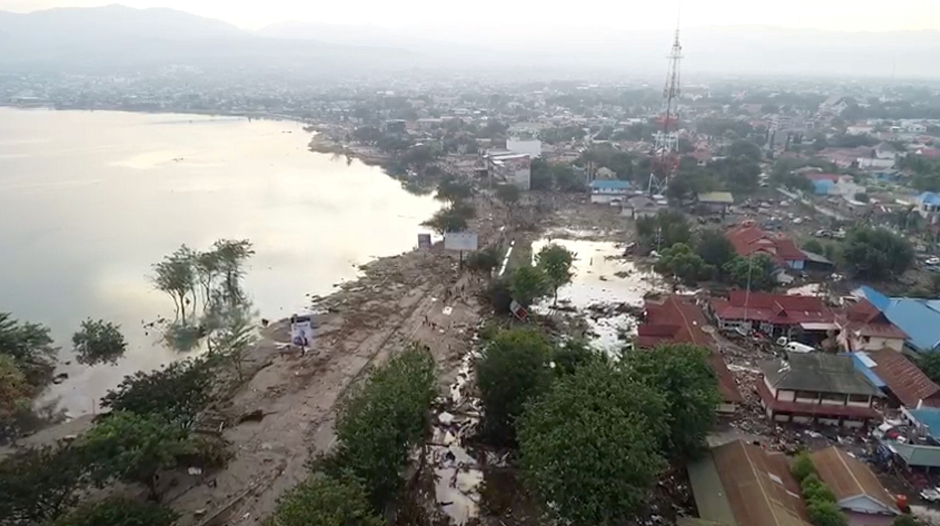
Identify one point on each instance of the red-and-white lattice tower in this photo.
(665, 155)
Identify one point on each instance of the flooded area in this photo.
(606, 286)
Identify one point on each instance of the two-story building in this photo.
(609, 190)
(817, 388)
(862, 327)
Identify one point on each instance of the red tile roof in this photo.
(904, 379)
(778, 309)
(749, 240)
(820, 410)
(677, 319)
(864, 319)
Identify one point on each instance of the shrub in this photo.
(814, 490)
(803, 467)
(825, 514)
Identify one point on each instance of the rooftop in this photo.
(748, 240)
(778, 309)
(724, 198)
(849, 478)
(919, 319)
(894, 371)
(818, 372)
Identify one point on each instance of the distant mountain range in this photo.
(117, 38)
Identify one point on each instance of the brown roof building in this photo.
(677, 319)
(856, 488)
(899, 378)
(740, 484)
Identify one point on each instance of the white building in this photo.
(533, 147)
(510, 167)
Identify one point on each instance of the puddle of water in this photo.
(602, 278)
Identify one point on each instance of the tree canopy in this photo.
(663, 230)
(509, 194)
(453, 218)
(682, 263)
(555, 261)
(177, 391)
(589, 446)
(132, 447)
(512, 370)
(755, 272)
(118, 511)
(528, 284)
(39, 484)
(382, 418)
(98, 341)
(714, 248)
(325, 501)
(683, 374)
(876, 253)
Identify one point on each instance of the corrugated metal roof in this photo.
(610, 184)
(710, 497)
(918, 319)
(818, 372)
(848, 478)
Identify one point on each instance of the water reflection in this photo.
(90, 200)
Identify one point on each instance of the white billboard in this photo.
(301, 330)
(463, 241)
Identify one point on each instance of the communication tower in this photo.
(665, 155)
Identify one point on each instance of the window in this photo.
(833, 397)
(859, 398)
(807, 394)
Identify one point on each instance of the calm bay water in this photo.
(90, 200)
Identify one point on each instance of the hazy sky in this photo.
(839, 15)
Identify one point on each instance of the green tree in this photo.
(541, 176)
(683, 374)
(231, 255)
(572, 355)
(714, 248)
(905, 520)
(663, 230)
(876, 253)
(97, 342)
(15, 391)
(233, 333)
(509, 194)
(175, 276)
(528, 284)
(453, 218)
(325, 501)
(382, 419)
(512, 370)
(929, 363)
(824, 513)
(813, 246)
(680, 262)
(178, 391)
(589, 446)
(38, 484)
(453, 190)
(814, 490)
(862, 197)
(745, 149)
(756, 272)
(134, 448)
(802, 467)
(555, 261)
(483, 261)
(117, 511)
(30, 347)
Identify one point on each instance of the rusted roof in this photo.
(749, 240)
(848, 477)
(904, 379)
(759, 486)
(677, 319)
(864, 319)
(778, 309)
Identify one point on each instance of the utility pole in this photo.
(665, 155)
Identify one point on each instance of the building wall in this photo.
(796, 265)
(857, 343)
(727, 408)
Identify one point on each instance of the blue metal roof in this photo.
(822, 186)
(929, 417)
(919, 319)
(929, 198)
(610, 184)
(858, 360)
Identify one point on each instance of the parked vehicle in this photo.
(933, 261)
(930, 495)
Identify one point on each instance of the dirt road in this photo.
(366, 322)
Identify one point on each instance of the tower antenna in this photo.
(665, 158)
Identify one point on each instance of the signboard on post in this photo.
(424, 241)
(301, 331)
(462, 241)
